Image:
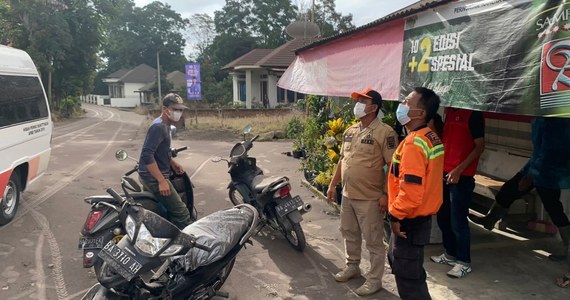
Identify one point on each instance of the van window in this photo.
(21, 100)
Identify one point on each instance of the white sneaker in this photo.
(459, 271)
(443, 259)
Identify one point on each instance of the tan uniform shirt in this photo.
(364, 154)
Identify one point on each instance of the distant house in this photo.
(127, 88)
(130, 88)
(255, 75)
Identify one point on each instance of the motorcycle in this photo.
(192, 263)
(102, 223)
(270, 195)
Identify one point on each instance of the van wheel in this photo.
(10, 199)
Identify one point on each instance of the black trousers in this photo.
(406, 258)
(550, 198)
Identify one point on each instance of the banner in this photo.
(370, 58)
(495, 55)
(193, 83)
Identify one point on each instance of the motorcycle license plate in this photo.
(289, 206)
(90, 243)
(120, 260)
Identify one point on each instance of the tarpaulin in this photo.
(507, 56)
(370, 58)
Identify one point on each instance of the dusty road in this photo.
(39, 257)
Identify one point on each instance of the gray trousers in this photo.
(177, 211)
(406, 257)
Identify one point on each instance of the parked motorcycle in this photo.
(270, 195)
(192, 264)
(102, 223)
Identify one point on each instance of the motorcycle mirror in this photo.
(247, 129)
(216, 159)
(172, 130)
(121, 155)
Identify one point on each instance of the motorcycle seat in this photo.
(220, 231)
(260, 182)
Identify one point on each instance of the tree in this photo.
(326, 17)
(134, 35)
(201, 32)
(265, 21)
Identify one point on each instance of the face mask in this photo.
(359, 110)
(402, 114)
(175, 116)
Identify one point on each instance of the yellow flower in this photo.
(335, 127)
(333, 155)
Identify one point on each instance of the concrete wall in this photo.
(94, 99)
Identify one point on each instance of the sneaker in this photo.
(368, 288)
(459, 271)
(349, 272)
(443, 259)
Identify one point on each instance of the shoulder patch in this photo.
(391, 142)
(433, 138)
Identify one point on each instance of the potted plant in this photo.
(322, 181)
(297, 149)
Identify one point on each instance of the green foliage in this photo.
(294, 128)
(135, 34)
(70, 106)
(327, 18)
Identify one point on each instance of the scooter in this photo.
(102, 223)
(192, 264)
(270, 195)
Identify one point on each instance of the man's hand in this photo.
(396, 230)
(331, 193)
(525, 183)
(164, 188)
(453, 176)
(383, 203)
(178, 169)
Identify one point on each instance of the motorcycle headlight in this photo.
(148, 244)
(130, 227)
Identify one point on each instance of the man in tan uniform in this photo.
(367, 147)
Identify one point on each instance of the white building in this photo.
(255, 75)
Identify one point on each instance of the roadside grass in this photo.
(260, 123)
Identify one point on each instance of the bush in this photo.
(294, 128)
(70, 106)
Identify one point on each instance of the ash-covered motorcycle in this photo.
(102, 223)
(270, 195)
(190, 264)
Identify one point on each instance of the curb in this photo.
(320, 195)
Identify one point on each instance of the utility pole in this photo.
(158, 76)
(313, 12)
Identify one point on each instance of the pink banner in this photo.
(370, 58)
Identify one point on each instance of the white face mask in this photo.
(359, 110)
(175, 116)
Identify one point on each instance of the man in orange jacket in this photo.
(415, 191)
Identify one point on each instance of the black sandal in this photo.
(564, 281)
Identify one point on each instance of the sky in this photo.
(363, 11)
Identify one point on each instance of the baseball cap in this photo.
(173, 100)
(369, 94)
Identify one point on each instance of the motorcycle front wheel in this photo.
(295, 236)
(235, 197)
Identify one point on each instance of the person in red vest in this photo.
(463, 141)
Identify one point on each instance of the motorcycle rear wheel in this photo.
(235, 197)
(295, 236)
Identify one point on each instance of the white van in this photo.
(25, 128)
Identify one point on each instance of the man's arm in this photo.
(331, 192)
(477, 128)
(412, 169)
(153, 138)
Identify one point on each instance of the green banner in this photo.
(495, 55)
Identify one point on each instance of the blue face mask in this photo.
(402, 114)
